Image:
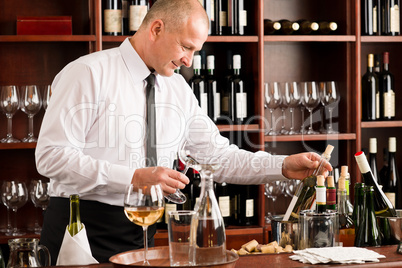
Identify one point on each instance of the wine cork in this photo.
(341, 184)
(344, 171)
(328, 150)
(392, 144)
(320, 180)
(330, 181)
(373, 145)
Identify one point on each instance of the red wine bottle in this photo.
(391, 181)
(382, 205)
(238, 103)
(377, 17)
(391, 17)
(221, 16)
(198, 85)
(367, 17)
(112, 17)
(137, 11)
(271, 27)
(214, 96)
(331, 193)
(222, 194)
(386, 88)
(370, 93)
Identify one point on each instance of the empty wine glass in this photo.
(284, 104)
(9, 227)
(310, 100)
(273, 189)
(330, 98)
(14, 196)
(46, 96)
(10, 105)
(39, 193)
(293, 98)
(272, 99)
(291, 186)
(31, 103)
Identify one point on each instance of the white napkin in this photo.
(336, 255)
(75, 250)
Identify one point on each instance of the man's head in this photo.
(170, 33)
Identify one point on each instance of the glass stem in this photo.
(8, 220)
(283, 118)
(272, 119)
(30, 119)
(9, 126)
(330, 120)
(311, 119)
(15, 229)
(144, 228)
(291, 119)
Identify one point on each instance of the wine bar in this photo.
(273, 79)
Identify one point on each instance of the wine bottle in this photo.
(137, 11)
(226, 85)
(305, 192)
(74, 225)
(391, 17)
(377, 64)
(125, 6)
(386, 88)
(246, 204)
(382, 205)
(370, 93)
(238, 103)
(112, 17)
(367, 17)
(210, 10)
(377, 17)
(204, 71)
(331, 193)
(288, 27)
(326, 27)
(349, 206)
(307, 27)
(368, 234)
(214, 96)
(373, 158)
(195, 188)
(358, 206)
(391, 181)
(383, 171)
(237, 17)
(321, 194)
(221, 17)
(271, 27)
(222, 193)
(346, 225)
(198, 85)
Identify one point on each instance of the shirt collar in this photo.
(136, 66)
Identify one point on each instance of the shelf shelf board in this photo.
(373, 39)
(4, 239)
(251, 127)
(309, 38)
(47, 38)
(20, 145)
(317, 137)
(379, 124)
(211, 38)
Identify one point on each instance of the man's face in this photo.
(175, 48)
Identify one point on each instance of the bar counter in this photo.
(282, 260)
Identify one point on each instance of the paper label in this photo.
(169, 207)
(137, 14)
(395, 21)
(249, 208)
(224, 205)
(241, 104)
(223, 19)
(389, 103)
(112, 20)
(243, 18)
(391, 197)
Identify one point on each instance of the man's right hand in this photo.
(169, 179)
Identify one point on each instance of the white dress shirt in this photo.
(92, 137)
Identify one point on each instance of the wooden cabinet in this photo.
(340, 57)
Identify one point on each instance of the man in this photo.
(94, 136)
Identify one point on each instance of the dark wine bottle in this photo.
(321, 195)
(346, 225)
(195, 188)
(246, 204)
(327, 27)
(137, 11)
(377, 17)
(204, 70)
(238, 17)
(214, 96)
(222, 194)
(305, 193)
(238, 103)
(74, 225)
(221, 16)
(288, 27)
(331, 193)
(383, 171)
(307, 27)
(373, 158)
(386, 88)
(358, 205)
(125, 7)
(377, 64)
(370, 93)
(112, 17)
(367, 17)
(382, 205)
(271, 27)
(198, 85)
(391, 181)
(210, 10)
(391, 17)
(226, 85)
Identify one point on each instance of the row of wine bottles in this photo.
(236, 202)
(378, 92)
(224, 99)
(380, 17)
(299, 27)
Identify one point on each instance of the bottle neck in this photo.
(236, 71)
(210, 71)
(75, 211)
(197, 71)
(320, 169)
(385, 67)
(342, 202)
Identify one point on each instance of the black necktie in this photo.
(151, 122)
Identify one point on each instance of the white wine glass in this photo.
(39, 193)
(330, 98)
(31, 102)
(46, 96)
(272, 99)
(311, 99)
(293, 98)
(285, 87)
(9, 104)
(273, 190)
(15, 195)
(144, 206)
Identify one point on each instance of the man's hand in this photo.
(169, 179)
(300, 166)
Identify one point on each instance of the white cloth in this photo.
(92, 137)
(336, 255)
(75, 250)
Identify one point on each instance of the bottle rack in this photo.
(341, 56)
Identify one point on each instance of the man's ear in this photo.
(157, 27)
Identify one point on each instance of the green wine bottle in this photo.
(75, 225)
(358, 205)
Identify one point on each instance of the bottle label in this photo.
(375, 19)
(212, 10)
(224, 205)
(217, 102)
(169, 207)
(331, 196)
(137, 14)
(241, 103)
(321, 194)
(223, 19)
(394, 20)
(249, 208)
(243, 18)
(391, 197)
(389, 103)
(204, 102)
(377, 105)
(112, 20)
(225, 104)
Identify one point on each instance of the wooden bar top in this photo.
(283, 261)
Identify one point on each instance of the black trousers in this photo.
(108, 229)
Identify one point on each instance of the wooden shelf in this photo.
(309, 38)
(252, 127)
(20, 145)
(373, 39)
(244, 39)
(4, 239)
(47, 38)
(317, 137)
(381, 124)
